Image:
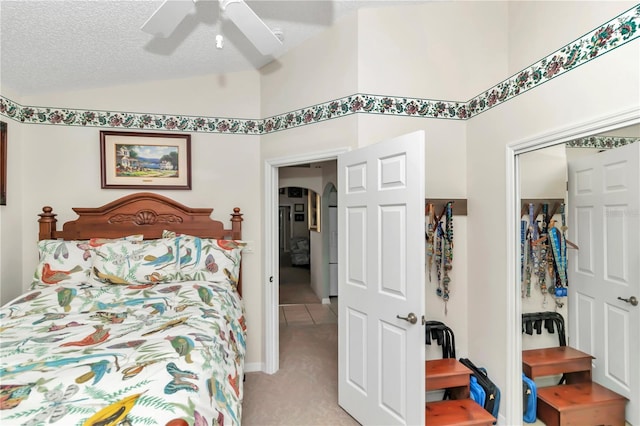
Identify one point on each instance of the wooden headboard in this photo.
(141, 213)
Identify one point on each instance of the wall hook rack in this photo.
(459, 206)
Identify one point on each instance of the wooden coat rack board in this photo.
(459, 206)
(554, 205)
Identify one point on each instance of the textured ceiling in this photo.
(49, 46)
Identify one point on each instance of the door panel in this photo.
(583, 312)
(381, 250)
(393, 386)
(393, 246)
(357, 249)
(357, 362)
(616, 346)
(604, 194)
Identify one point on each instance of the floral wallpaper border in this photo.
(601, 142)
(618, 31)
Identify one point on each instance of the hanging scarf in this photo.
(558, 247)
(438, 250)
(448, 251)
(430, 238)
(533, 229)
(564, 243)
(544, 249)
(523, 239)
(529, 253)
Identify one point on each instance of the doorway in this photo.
(273, 170)
(394, 197)
(514, 196)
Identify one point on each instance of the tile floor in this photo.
(309, 314)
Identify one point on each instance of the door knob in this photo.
(412, 318)
(633, 300)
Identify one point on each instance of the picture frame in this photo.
(3, 163)
(313, 210)
(298, 207)
(140, 160)
(294, 192)
(299, 217)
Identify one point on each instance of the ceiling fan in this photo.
(171, 12)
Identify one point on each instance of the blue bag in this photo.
(529, 399)
(477, 392)
(492, 392)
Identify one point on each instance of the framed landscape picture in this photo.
(145, 160)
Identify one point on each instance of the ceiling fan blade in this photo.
(167, 17)
(254, 28)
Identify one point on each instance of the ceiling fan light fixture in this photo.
(254, 28)
(167, 17)
(279, 33)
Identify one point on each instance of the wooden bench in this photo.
(574, 364)
(447, 373)
(461, 412)
(451, 374)
(580, 404)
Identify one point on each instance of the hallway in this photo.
(298, 303)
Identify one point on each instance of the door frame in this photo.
(270, 318)
(596, 125)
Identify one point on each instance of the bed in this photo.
(134, 317)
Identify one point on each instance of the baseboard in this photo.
(326, 301)
(252, 367)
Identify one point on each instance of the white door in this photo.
(604, 214)
(381, 276)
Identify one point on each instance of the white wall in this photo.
(60, 166)
(537, 28)
(588, 92)
(320, 70)
(432, 49)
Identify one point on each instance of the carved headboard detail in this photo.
(145, 217)
(141, 213)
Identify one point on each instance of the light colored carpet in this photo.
(305, 389)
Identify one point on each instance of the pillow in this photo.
(66, 262)
(97, 242)
(129, 262)
(208, 259)
(69, 262)
(169, 234)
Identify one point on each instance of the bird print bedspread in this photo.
(100, 354)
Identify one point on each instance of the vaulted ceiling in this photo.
(55, 45)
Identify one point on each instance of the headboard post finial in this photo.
(236, 223)
(47, 223)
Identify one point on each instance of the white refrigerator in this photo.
(333, 251)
